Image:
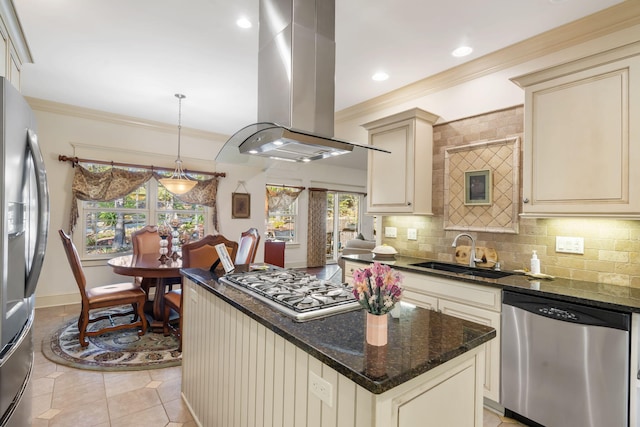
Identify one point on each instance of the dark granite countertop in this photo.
(418, 341)
(613, 297)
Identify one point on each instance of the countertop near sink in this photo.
(602, 295)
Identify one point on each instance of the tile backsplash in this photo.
(611, 247)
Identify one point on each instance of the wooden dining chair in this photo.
(104, 297)
(200, 254)
(247, 247)
(146, 241)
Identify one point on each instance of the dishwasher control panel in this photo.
(558, 313)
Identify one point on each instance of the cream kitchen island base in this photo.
(237, 372)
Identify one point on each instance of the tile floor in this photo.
(69, 397)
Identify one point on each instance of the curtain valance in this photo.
(280, 198)
(115, 183)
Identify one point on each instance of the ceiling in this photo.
(131, 56)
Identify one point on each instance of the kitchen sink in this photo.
(463, 269)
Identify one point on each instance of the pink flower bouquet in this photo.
(377, 287)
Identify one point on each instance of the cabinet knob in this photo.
(525, 200)
(408, 203)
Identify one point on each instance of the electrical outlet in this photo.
(412, 234)
(570, 245)
(390, 232)
(321, 388)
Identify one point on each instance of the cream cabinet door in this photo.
(14, 50)
(419, 299)
(390, 175)
(492, 351)
(582, 139)
(400, 182)
(14, 67)
(436, 408)
(4, 51)
(349, 269)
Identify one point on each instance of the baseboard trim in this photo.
(57, 300)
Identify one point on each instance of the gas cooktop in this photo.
(294, 293)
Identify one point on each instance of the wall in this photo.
(612, 247)
(468, 94)
(72, 131)
(484, 84)
(454, 95)
(92, 134)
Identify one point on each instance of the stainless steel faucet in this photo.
(472, 255)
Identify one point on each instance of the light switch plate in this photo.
(390, 232)
(570, 245)
(412, 234)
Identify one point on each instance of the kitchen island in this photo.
(244, 363)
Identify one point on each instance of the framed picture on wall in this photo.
(477, 187)
(240, 205)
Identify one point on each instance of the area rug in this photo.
(113, 351)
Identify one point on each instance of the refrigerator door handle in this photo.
(43, 214)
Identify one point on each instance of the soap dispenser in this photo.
(535, 263)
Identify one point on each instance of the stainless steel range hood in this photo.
(296, 69)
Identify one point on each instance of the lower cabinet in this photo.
(476, 303)
(432, 401)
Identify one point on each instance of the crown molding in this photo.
(118, 119)
(607, 21)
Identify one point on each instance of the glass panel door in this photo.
(343, 221)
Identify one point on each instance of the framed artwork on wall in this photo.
(477, 187)
(240, 205)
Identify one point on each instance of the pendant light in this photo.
(178, 182)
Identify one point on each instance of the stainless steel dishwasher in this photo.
(564, 364)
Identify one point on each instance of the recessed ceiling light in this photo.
(462, 51)
(244, 23)
(380, 76)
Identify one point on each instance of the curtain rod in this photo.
(336, 191)
(287, 186)
(76, 160)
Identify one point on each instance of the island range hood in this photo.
(296, 72)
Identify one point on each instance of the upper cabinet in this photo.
(14, 50)
(582, 137)
(400, 182)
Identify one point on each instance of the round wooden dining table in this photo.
(148, 266)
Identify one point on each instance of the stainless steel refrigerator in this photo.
(24, 220)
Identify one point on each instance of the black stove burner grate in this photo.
(296, 290)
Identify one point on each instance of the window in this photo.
(282, 217)
(107, 226)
